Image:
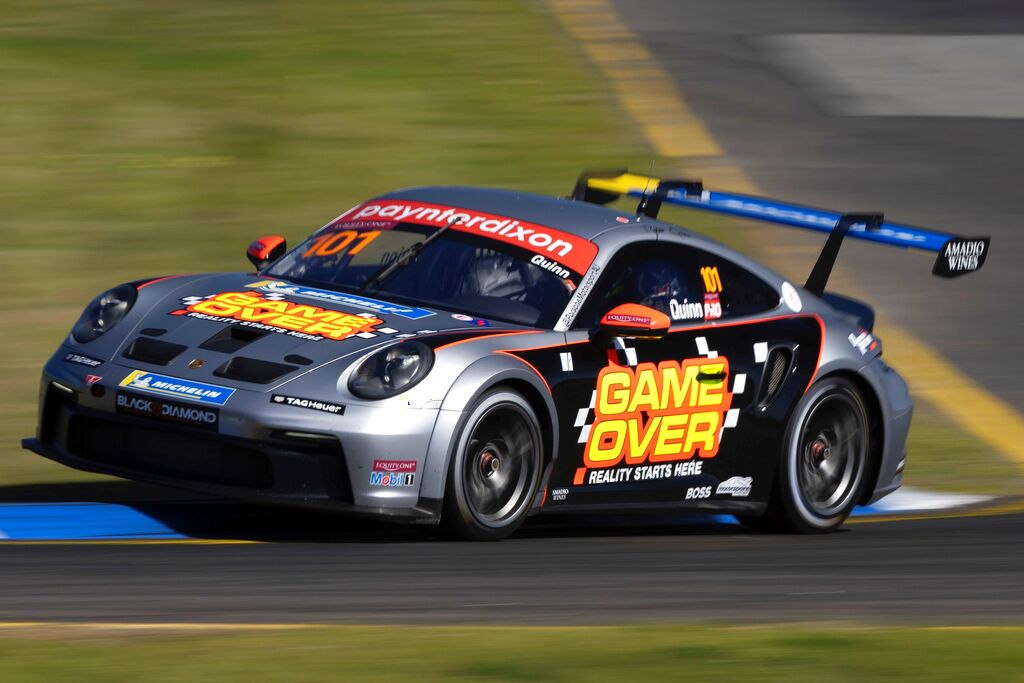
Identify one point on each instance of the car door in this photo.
(695, 418)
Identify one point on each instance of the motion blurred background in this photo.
(141, 139)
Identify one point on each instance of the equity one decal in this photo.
(299, 320)
(658, 413)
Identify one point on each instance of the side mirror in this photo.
(631, 320)
(265, 250)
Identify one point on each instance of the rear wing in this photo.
(957, 255)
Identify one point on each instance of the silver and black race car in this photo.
(467, 357)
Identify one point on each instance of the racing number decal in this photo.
(712, 292)
(336, 242)
(712, 281)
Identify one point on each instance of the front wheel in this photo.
(823, 463)
(495, 469)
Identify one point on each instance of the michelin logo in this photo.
(279, 287)
(737, 487)
(177, 387)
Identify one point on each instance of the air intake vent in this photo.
(231, 339)
(253, 370)
(146, 350)
(776, 368)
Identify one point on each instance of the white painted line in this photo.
(631, 357)
(584, 433)
(702, 346)
(760, 352)
(739, 383)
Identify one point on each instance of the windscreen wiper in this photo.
(404, 259)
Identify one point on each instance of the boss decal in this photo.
(277, 315)
(656, 415)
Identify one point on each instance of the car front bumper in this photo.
(260, 451)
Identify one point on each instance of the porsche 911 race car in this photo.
(467, 357)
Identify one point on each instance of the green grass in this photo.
(141, 139)
(650, 653)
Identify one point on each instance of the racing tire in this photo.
(495, 469)
(823, 463)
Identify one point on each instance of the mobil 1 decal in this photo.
(681, 420)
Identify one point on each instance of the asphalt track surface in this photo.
(555, 571)
(953, 173)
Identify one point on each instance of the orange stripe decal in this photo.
(529, 365)
(154, 281)
(484, 336)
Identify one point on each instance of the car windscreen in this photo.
(460, 272)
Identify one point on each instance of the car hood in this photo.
(258, 333)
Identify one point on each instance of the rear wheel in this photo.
(823, 463)
(495, 469)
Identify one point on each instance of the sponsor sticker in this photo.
(176, 387)
(479, 322)
(791, 297)
(737, 487)
(395, 465)
(80, 359)
(627, 319)
(551, 266)
(862, 341)
(685, 310)
(365, 303)
(572, 251)
(698, 492)
(393, 473)
(277, 315)
(712, 306)
(961, 256)
(167, 411)
(655, 416)
(309, 403)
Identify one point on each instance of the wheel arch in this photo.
(484, 375)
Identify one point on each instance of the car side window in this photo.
(689, 285)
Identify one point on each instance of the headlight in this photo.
(103, 313)
(391, 371)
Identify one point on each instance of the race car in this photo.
(467, 357)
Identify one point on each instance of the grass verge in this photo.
(651, 653)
